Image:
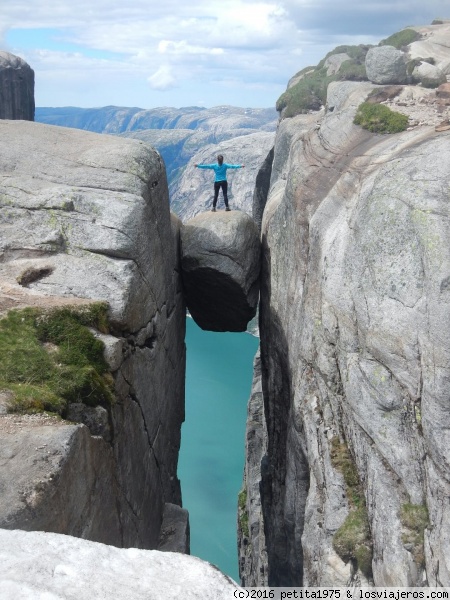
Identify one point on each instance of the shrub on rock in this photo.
(380, 119)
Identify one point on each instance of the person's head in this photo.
(220, 159)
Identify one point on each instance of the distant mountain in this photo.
(119, 119)
(182, 135)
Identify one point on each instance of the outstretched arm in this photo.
(204, 166)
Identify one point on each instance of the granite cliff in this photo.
(347, 474)
(16, 88)
(86, 217)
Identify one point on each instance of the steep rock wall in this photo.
(354, 352)
(88, 215)
(16, 88)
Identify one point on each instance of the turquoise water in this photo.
(218, 383)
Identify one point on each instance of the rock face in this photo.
(47, 565)
(49, 479)
(220, 260)
(354, 355)
(253, 568)
(335, 61)
(262, 184)
(88, 215)
(16, 88)
(386, 65)
(434, 42)
(429, 75)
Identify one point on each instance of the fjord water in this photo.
(218, 383)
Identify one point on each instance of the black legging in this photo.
(217, 186)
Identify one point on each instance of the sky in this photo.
(153, 53)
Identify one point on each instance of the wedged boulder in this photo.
(220, 265)
(16, 88)
(48, 565)
(386, 65)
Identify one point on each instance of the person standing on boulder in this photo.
(220, 181)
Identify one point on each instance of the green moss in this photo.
(414, 519)
(308, 94)
(378, 118)
(50, 358)
(242, 499)
(242, 512)
(401, 38)
(342, 461)
(352, 541)
(28, 398)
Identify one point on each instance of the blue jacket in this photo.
(220, 170)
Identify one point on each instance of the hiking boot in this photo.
(213, 209)
(228, 208)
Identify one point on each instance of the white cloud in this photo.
(240, 45)
(162, 79)
(182, 47)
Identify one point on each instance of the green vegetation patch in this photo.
(51, 358)
(378, 118)
(242, 512)
(414, 519)
(310, 93)
(352, 541)
(401, 39)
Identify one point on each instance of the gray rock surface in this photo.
(49, 479)
(429, 75)
(253, 567)
(354, 351)
(89, 216)
(435, 43)
(220, 261)
(334, 62)
(175, 532)
(46, 565)
(386, 65)
(95, 418)
(261, 190)
(16, 88)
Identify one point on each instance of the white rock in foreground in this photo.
(37, 565)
